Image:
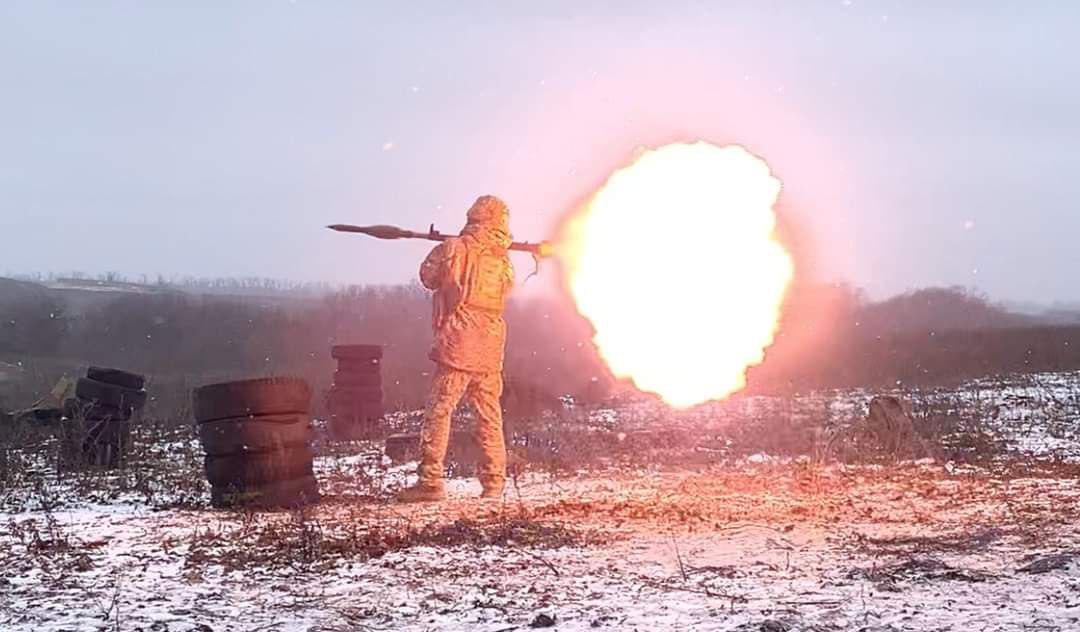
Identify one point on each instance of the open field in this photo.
(771, 308)
(754, 514)
(726, 549)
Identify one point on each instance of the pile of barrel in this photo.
(256, 435)
(355, 401)
(105, 401)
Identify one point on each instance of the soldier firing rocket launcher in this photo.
(382, 231)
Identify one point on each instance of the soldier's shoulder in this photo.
(453, 244)
(446, 245)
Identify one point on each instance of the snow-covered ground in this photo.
(754, 543)
(1035, 415)
(901, 548)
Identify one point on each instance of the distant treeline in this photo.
(830, 336)
(239, 285)
(182, 337)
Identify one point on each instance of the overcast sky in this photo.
(917, 145)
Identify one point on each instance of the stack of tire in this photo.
(105, 401)
(257, 438)
(355, 401)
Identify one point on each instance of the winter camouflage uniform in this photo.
(471, 276)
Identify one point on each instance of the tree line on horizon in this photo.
(829, 336)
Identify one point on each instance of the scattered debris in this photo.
(1047, 563)
(543, 621)
(923, 569)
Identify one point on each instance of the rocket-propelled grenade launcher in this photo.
(383, 231)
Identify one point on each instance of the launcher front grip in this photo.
(540, 250)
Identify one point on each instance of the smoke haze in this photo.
(918, 146)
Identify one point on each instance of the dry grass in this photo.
(164, 462)
(306, 539)
(896, 514)
(41, 467)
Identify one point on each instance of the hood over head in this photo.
(488, 220)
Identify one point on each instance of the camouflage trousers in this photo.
(482, 391)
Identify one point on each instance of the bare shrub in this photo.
(162, 466)
(887, 433)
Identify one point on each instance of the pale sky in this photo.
(920, 143)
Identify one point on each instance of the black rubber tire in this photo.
(351, 379)
(246, 398)
(251, 470)
(402, 447)
(354, 395)
(356, 352)
(356, 429)
(284, 494)
(109, 394)
(77, 409)
(462, 447)
(248, 435)
(117, 377)
(357, 412)
(359, 366)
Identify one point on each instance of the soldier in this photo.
(470, 276)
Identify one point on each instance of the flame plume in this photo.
(675, 263)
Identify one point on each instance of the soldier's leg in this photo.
(484, 391)
(447, 388)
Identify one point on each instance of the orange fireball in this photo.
(675, 263)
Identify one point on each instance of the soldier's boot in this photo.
(423, 492)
